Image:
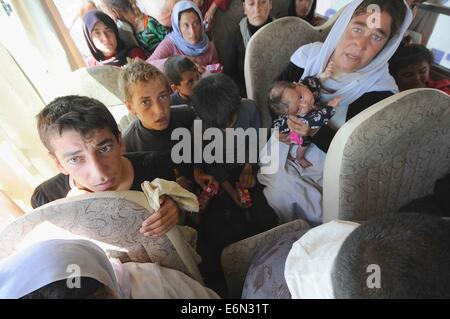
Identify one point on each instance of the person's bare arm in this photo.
(163, 220)
(247, 178)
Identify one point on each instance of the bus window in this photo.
(70, 13)
(438, 42)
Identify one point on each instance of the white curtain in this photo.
(24, 162)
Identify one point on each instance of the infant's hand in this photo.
(334, 102)
(328, 73)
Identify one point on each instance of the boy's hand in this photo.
(334, 102)
(247, 179)
(328, 73)
(163, 220)
(203, 180)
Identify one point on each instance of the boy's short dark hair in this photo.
(175, 67)
(412, 251)
(276, 92)
(137, 71)
(90, 289)
(216, 100)
(409, 55)
(82, 114)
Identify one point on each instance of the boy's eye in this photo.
(146, 102)
(164, 97)
(74, 160)
(357, 29)
(105, 149)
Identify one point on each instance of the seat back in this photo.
(113, 220)
(269, 51)
(237, 257)
(388, 155)
(226, 22)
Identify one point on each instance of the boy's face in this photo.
(94, 163)
(188, 80)
(151, 104)
(300, 100)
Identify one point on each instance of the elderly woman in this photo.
(359, 52)
(306, 9)
(102, 37)
(188, 38)
(257, 15)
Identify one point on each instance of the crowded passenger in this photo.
(85, 143)
(410, 66)
(188, 38)
(257, 15)
(40, 271)
(361, 78)
(306, 9)
(149, 32)
(217, 103)
(303, 101)
(183, 76)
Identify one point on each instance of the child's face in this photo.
(300, 100)
(188, 80)
(413, 76)
(151, 104)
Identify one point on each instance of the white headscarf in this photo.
(48, 261)
(374, 77)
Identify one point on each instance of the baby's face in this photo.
(300, 100)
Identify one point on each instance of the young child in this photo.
(209, 9)
(218, 104)
(147, 96)
(183, 75)
(302, 100)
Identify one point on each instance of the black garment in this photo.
(224, 222)
(248, 117)
(147, 167)
(177, 99)
(325, 135)
(233, 56)
(139, 139)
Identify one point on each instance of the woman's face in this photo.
(413, 76)
(190, 27)
(104, 39)
(257, 11)
(303, 7)
(361, 42)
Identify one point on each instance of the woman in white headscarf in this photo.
(79, 269)
(360, 44)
